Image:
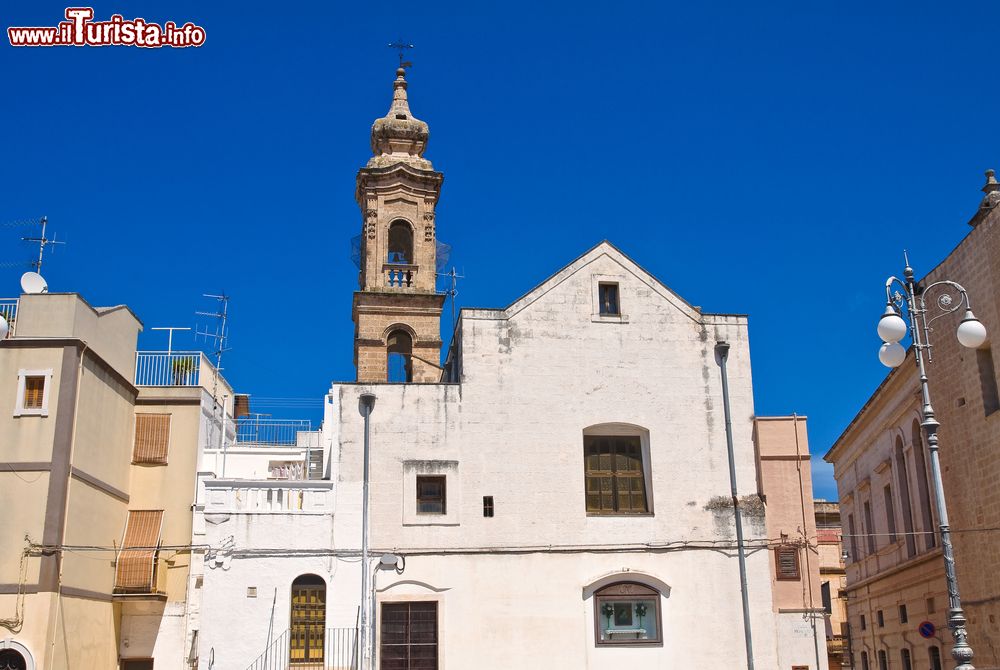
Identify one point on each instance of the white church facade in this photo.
(555, 494)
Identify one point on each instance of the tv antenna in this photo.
(452, 291)
(220, 338)
(170, 336)
(43, 242)
(401, 46)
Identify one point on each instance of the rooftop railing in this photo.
(8, 312)
(162, 368)
(270, 432)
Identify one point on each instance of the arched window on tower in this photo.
(399, 350)
(400, 243)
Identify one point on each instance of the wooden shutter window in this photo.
(136, 564)
(152, 436)
(615, 482)
(786, 561)
(34, 392)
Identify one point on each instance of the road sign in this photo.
(926, 629)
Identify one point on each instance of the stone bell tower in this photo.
(397, 312)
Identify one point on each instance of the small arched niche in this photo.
(627, 613)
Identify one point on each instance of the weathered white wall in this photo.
(535, 376)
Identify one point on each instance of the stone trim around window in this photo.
(596, 316)
(19, 404)
(452, 492)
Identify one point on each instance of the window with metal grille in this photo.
(152, 436)
(409, 636)
(34, 392)
(488, 506)
(135, 568)
(431, 498)
(608, 294)
(786, 561)
(615, 481)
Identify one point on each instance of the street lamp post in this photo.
(366, 404)
(971, 334)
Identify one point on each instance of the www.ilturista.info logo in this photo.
(80, 30)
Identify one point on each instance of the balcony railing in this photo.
(161, 368)
(232, 495)
(8, 312)
(399, 276)
(311, 647)
(253, 431)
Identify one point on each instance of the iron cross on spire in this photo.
(402, 47)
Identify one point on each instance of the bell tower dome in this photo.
(397, 311)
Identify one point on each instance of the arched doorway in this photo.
(308, 622)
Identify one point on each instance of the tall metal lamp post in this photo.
(950, 297)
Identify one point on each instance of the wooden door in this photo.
(308, 625)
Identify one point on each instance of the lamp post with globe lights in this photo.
(971, 334)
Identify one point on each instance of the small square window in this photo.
(608, 295)
(430, 495)
(488, 506)
(34, 391)
(903, 618)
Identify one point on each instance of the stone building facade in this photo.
(833, 582)
(895, 571)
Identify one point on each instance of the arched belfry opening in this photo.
(400, 243)
(399, 356)
(397, 309)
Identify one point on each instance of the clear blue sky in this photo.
(772, 159)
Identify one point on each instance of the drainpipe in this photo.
(722, 349)
(366, 405)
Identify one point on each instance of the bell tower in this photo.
(397, 311)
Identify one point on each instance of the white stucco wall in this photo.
(534, 377)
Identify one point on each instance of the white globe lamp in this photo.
(891, 327)
(892, 354)
(971, 332)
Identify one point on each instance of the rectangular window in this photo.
(903, 617)
(869, 528)
(988, 381)
(627, 613)
(34, 392)
(824, 590)
(930, 606)
(854, 538)
(615, 482)
(890, 514)
(864, 622)
(137, 664)
(608, 295)
(904, 655)
(883, 660)
(786, 561)
(880, 619)
(431, 497)
(488, 506)
(135, 568)
(409, 636)
(864, 660)
(152, 435)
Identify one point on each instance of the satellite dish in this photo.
(4, 327)
(32, 282)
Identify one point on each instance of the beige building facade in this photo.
(895, 572)
(833, 582)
